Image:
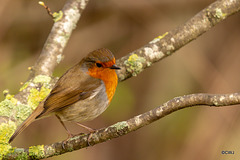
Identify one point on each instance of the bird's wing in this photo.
(70, 88)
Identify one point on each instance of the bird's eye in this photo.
(99, 65)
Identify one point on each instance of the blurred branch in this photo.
(166, 44)
(125, 127)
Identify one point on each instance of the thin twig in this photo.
(47, 8)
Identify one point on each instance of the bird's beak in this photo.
(114, 67)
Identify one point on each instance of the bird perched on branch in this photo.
(81, 94)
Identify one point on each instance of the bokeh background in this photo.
(209, 64)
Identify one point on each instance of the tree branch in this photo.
(125, 127)
(52, 52)
(166, 44)
(61, 31)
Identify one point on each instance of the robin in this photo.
(81, 94)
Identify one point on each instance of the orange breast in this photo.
(108, 76)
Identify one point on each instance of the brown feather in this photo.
(69, 89)
(28, 121)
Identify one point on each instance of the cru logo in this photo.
(227, 152)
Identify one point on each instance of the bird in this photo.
(81, 94)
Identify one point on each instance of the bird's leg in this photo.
(70, 135)
(68, 132)
(89, 129)
(85, 127)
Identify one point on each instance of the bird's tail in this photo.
(28, 121)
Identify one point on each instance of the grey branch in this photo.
(131, 65)
(61, 31)
(52, 52)
(125, 127)
(165, 45)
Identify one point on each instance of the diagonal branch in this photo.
(125, 127)
(165, 45)
(61, 31)
(52, 51)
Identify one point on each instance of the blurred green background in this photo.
(209, 64)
